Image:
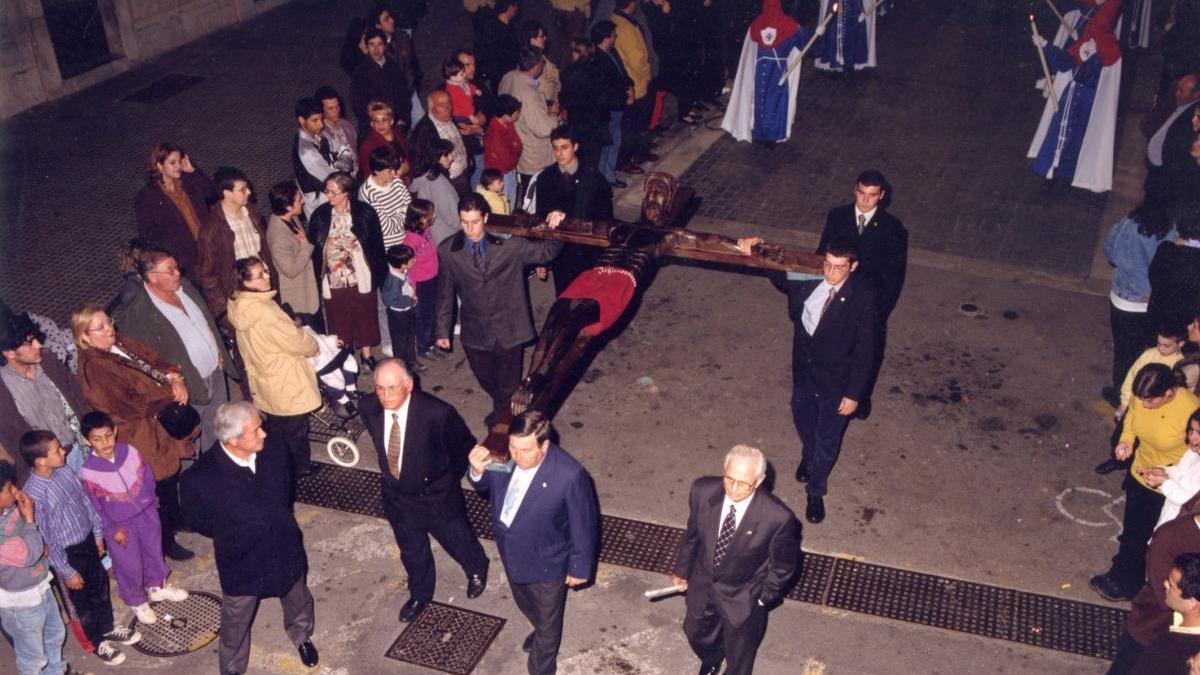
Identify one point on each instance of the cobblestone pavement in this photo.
(947, 118)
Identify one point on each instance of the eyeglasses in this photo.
(170, 271)
(836, 268)
(738, 484)
(104, 325)
(331, 193)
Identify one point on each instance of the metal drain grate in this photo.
(182, 627)
(926, 599)
(446, 638)
(814, 577)
(163, 88)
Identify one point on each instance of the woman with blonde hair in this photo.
(131, 382)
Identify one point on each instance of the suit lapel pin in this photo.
(749, 532)
(543, 483)
(842, 299)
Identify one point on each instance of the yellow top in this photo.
(496, 201)
(1149, 356)
(584, 6)
(1162, 432)
(631, 47)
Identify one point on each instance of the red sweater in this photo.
(501, 146)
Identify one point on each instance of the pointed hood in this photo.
(773, 16)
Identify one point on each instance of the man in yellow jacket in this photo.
(635, 56)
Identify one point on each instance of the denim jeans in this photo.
(510, 189)
(37, 635)
(608, 154)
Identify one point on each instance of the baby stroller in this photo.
(336, 422)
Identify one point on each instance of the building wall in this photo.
(137, 30)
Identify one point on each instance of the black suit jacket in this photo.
(587, 195)
(258, 544)
(882, 250)
(364, 224)
(759, 564)
(837, 360)
(433, 459)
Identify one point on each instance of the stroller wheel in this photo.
(342, 451)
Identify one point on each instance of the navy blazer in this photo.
(837, 360)
(760, 561)
(555, 531)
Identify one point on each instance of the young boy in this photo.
(400, 296)
(491, 186)
(120, 485)
(463, 94)
(28, 611)
(74, 536)
(501, 144)
(1168, 351)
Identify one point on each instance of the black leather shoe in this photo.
(475, 585)
(1110, 465)
(1109, 589)
(815, 512)
(802, 472)
(308, 653)
(710, 668)
(618, 183)
(175, 551)
(411, 608)
(527, 645)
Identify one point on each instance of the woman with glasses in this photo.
(350, 263)
(133, 383)
(282, 382)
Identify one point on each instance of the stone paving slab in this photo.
(947, 118)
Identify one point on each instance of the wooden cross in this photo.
(600, 296)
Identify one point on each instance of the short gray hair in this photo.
(230, 420)
(748, 452)
(394, 360)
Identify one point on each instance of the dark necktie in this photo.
(477, 256)
(862, 222)
(828, 302)
(394, 446)
(725, 537)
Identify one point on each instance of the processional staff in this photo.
(816, 34)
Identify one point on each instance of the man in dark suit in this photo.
(488, 274)
(422, 443)
(240, 496)
(1169, 146)
(833, 358)
(740, 550)
(576, 191)
(547, 528)
(882, 244)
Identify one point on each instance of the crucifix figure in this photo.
(598, 297)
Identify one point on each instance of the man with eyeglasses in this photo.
(36, 392)
(833, 357)
(233, 231)
(740, 551)
(421, 443)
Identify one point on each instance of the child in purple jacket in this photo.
(120, 485)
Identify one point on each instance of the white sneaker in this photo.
(109, 654)
(167, 592)
(124, 635)
(144, 614)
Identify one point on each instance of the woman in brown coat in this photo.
(129, 380)
(173, 205)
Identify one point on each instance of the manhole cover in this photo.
(446, 638)
(182, 627)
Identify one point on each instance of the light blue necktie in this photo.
(511, 500)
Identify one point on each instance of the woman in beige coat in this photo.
(292, 253)
(282, 382)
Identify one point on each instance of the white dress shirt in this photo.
(521, 481)
(248, 463)
(739, 511)
(812, 306)
(402, 418)
(1155, 147)
(868, 215)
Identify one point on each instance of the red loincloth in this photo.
(611, 287)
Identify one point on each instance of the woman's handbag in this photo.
(179, 420)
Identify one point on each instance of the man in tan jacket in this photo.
(537, 119)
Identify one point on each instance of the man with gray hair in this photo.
(739, 553)
(240, 497)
